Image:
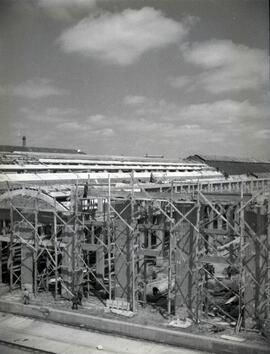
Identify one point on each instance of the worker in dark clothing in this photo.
(26, 297)
(155, 291)
(85, 190)
(140, 294)
(80, 296)
(75, 302)
(154, 274)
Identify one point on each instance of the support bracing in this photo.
(191, 244)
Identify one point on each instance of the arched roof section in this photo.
(30, 199)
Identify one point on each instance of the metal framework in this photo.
(106, 242)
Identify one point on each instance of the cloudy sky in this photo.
(133, 77)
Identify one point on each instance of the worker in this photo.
(152, 179)
(80, 296)
(140, 294)
(155, 291)
(75, 302)
(26, 297)
(154, 274)
(85, 190)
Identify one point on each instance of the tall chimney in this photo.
(24, 141)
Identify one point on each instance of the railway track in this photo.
(24, 348)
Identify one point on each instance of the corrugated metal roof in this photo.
(99, 157)
(199, 157)
(69, 177)
(234, 166)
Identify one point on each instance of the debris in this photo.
(231, 300)
(181, 323)
(216, 329)
(123, 312)
(236, 339)
(119, 307)
(211, 314)
(100, 347)
(45, 311)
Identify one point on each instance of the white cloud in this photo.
(35, 89)
(263, 134)
(131, 100)
(67, 10)
(205, 122)
(96, 119)
(106, 132)
(123, 37)
(49, 115)
(231, 126)
(227, 66)
(71, 126)
(215, 113)
(180, 81)
(219, 112)
(86, 129)
(65, 122)
(3, 90)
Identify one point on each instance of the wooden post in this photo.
(47, 273)
(241, 260)
(88, 273)
(92, 234)
(230, 218)
(55, 255)
(133, 245)
(4, 233)
(0, 262)
(268, 258)
(197, 237)
(74, 239)
(11, 249)
(170, 256)
(36, 251)
(109, 236)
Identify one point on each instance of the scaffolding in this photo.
(211, 245)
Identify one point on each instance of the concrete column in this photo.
(268, 257)
(0, 262)
(160, 238)
(122, 265)
(66, 266)
(255, 264)
(27, 263)
(219, 220)
(261, 271)
(71, 267)
(149, 240)
(210, 215)
(230, 218)
(185, 267)
(100, 261)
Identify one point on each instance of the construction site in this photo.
(183, 244)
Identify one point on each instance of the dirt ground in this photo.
(147, 315)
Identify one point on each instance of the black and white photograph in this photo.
(134, 177)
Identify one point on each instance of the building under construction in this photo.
(191, 237)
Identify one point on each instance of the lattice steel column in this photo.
(122, 262)
(185, 253)
(255, 266)
(27, 256)
(72, 272)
